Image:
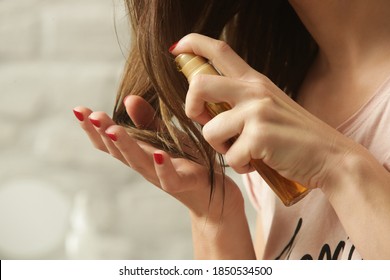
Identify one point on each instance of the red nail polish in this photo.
(95, 122)
(158, 158)
(78, 115)
(171, 48)
(112, 136)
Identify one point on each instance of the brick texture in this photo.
(55, 55)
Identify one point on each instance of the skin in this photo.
(183, 179)
(351, 65)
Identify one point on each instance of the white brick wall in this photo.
(59, 197)
(55, 55)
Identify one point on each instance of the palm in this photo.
(184, 179)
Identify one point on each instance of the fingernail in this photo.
(171, 48)
(78, 115)
(95, 122)
(158, 158)
(112, 136)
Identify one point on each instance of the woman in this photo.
(314, 105)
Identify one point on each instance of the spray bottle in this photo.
(288, 191)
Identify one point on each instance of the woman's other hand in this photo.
(185, 180)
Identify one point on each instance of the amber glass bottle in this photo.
(288, 191)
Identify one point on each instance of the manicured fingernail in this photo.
(78, 115)
(158, 158)
(95, 122)
(171, 48)
(112, 136)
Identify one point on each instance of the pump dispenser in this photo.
(288, 191)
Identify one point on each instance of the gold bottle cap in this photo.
(188, 63)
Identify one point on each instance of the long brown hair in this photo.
(268, 35)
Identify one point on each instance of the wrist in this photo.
(225, 236)
(346, 172)
(223, 205)
(359, 194)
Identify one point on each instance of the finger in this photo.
(252, 144)
(170, 179)
(101, 121)
(219, 53)
(214, 89)
(82, 114)
(141, 113)
(223, 130)
(137, 157)
(238, 156)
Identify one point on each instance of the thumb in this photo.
(171, 180)
(142, 113)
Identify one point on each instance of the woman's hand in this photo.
(186, 180)
(219, 227)
(268, 125)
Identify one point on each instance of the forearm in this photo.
(360, 194)
(225, 238)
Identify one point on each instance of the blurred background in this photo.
(59, 197)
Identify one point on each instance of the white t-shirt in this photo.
(311, 229)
